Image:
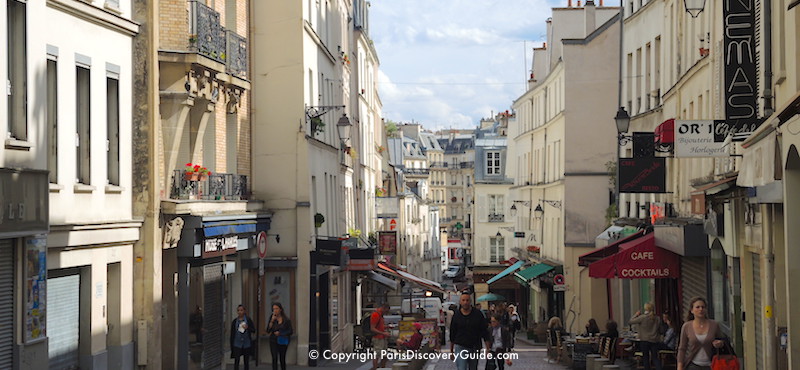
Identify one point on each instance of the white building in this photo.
(70, 114)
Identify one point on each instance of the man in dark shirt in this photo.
(467, 331)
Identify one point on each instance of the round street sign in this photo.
(558, 279)
(261, 243)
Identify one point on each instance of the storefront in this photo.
(24, 224)
(216, 269)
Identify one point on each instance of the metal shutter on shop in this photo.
(6, 304)
(63, 321)
(212, 302)
(759, 319)
(693, 278)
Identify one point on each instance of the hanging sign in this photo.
(741, 84)
(643, 175)
(698, 139)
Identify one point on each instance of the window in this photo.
(112, 115)
(52, 119)
(496, 208)
(492, 163)
(82, 134)
(17, 82)
(497, 249)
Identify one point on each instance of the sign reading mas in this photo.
(741, 84)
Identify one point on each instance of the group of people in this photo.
(694, 342)
(470, 331)
(242, 343)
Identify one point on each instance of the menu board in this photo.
(430, 332)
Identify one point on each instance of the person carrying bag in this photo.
(726, 361)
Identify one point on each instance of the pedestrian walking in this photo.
(467, 329)
(516, 323)
(499, 343)
(649, 326)
(241, 340)
(380, 337)
(699, 335)
(280, 332)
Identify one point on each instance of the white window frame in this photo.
(497, 249)
(493, 164)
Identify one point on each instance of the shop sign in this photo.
(698, 139)
(387, 207)
(213, 247)
(329, 252)
(741, 79)
(387, 242)
(643, 175)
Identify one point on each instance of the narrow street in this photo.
(530, 357)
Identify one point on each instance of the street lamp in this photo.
(513, 210)
(623, 121)
(344, 126)
(694, 7)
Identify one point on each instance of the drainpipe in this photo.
(769, 291)
(768, 109)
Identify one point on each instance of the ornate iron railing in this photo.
(218, 186)
(207, 34)
(236, 58)
(417, 171)
(495, 217)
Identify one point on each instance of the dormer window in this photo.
(493, 163)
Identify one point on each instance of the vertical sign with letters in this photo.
(741, 85)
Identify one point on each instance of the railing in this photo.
(467, 164)
(438, 165)
(494, 217)
(236, 54)
(218, 186)
(417, 171)
(209, 38)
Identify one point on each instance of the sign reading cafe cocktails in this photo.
(741, 86)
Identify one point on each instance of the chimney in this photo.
(589, 17)
(569, 3)
(579, 3)
(601, 2)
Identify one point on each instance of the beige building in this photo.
(558, 157)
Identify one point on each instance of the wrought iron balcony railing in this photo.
(494, 217)
(218, 186)
(417, 171)
(469, 164)
(236, 54)
(209, 38)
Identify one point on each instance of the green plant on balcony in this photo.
(354, 233)
(317, 125)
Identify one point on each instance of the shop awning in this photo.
(716, 186)
(530, 273)
(212, 229)
(506, 272)
(638, 259)
(761, 162)
(609, 250)
(422, 282)
(383, 280)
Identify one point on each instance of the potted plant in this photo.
(195, 172)
(319, 219)
(317, 125)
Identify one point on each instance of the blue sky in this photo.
(449, 63)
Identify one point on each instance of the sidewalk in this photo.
(531, 356)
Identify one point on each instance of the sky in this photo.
(449, 63)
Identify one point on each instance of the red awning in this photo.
(638, 259)
(393, 270)
(609, 250)
(665, 132)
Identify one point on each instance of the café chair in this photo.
(668, 359)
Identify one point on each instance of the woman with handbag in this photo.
(499, 343)
(280, 330)
(241, 341)
(699, 335)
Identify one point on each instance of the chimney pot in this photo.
(601, 2)
(569, 3)
(579, 3)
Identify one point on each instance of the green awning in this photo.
(506, 272)
(530, 273)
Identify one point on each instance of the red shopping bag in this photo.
(727, 361)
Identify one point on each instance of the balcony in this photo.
(417, 172)
(469, 164)
(494, 217)
(209, 38)
(438, 165)
(218, 186)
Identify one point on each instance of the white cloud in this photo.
(449, 63)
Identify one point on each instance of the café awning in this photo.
(609, 250)
(506, 272)
(530, 273)
(422, 282)
(638, 259)
(383, 280)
